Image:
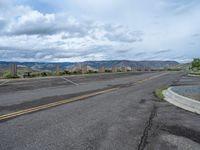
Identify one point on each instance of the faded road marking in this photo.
(153, 77)
(69, 81)
(4, 82)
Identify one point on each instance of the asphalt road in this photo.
(128, 118)
(30, 84)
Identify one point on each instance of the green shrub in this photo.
(67, 72)
(91, 71)
(43, 74)
(159, 92)
(76, 72)
(8, 75)
(107, 70)
(35, 74)
(196, 63)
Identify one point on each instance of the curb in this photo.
(182, 101)
(193, 75)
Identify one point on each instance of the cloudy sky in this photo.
(80, 30)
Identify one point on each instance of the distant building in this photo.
(124, 69)
(148, 69)
(13, 69)
(57, 69)
(84, 69)
(128, 69)
(114, 69)
(133, 69)
(101, 69)
(141, 69)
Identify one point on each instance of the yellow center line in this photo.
(54, 104)
(153, 77)
(61, 102)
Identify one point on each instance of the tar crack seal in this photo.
(143, 140)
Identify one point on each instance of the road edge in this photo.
(182, 101)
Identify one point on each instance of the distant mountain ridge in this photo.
(128, 63)
(93, 64)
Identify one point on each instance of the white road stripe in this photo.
(69, 81)
(4, 82)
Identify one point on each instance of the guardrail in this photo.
(182, 101)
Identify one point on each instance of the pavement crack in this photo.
(144, 137)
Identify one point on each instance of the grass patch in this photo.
(158, 92)
(195, 73)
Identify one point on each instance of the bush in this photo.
(173, 69)
(35, 74)
(9, 76)
(67, 72)
(196, 63)
(91, 71)
(43, 74)
(107, 70)
(77, 72)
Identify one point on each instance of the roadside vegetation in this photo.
(159, 92)
(30, 73)
(24, 73)
(195, 67)
(8, 75)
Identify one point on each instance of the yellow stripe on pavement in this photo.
(61, 102)
(54, 104)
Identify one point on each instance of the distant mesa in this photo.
(92, 65)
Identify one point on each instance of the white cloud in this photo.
(93, 29)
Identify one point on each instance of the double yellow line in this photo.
(53, 104)
(61, 102)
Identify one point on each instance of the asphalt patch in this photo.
(142, 101)
(183, 131)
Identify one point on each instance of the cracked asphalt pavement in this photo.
(129, 118)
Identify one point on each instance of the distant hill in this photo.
(35, 65)
(127, 63)
(92, 64)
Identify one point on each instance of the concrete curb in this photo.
(193, 75)
(182, 101)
